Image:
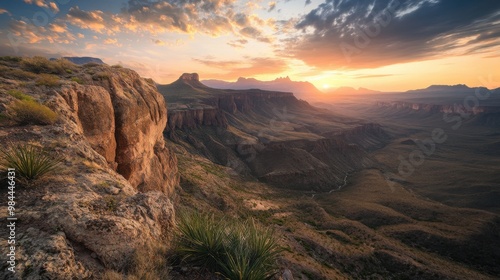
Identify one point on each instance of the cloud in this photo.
(353, 34)
(272, 6)
(212, 17)
(92, 20)
(158, 42)
(4, 11)
(53, 7)
(39, 3)
(240, 43)
(254, 33)
(245, 68)
(28, 33)
(373, 76)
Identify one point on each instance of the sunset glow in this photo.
(382, 45)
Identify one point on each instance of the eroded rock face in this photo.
(94, 115)
(88, 218)
(123, 117)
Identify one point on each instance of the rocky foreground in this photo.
(112, 195)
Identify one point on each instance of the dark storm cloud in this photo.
(367, 34)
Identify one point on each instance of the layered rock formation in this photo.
(192, 104)
(271, 135)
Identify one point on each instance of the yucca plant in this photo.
(31, 162)
(251, 253)
(231, 249)
(201, 240)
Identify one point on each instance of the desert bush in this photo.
(117, 66)
(77, 80)
(19, 95)
(31, 162)
(101, 76)
(91, 64)
(15, 73)
(31, 112)
(147, 263)
(10, 58)
(47, 80)
(38, 64)
(232, 249)
(64, 66)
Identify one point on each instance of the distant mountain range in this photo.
(351, 91)
(301, 90)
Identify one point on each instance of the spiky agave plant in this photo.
(31, 162)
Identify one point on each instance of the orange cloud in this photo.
(53, 33)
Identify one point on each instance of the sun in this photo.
(326, 86)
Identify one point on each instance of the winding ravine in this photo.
(339, 187)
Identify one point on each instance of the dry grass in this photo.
(48, 80)
(26, 112)
(148, 263)
(38, 64)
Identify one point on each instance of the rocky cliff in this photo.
(191, 103)
(111, 196)
(123, 117)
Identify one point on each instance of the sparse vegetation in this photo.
(148, 263)
(15, 73)
(226, 247)
(31, 162)
(47, 80)
(101, 76)
(19, 95)
(31, 112)
(38, 64)
(77, 80)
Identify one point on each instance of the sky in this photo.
(388, 45)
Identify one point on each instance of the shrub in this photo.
(77, 80)
(10, 58)
(30, 162)
(148, 263)
(101, 76)
(48, 80)
(231, 249)
(31, 112)
(19, 95)
(38, 64)
(14, 73)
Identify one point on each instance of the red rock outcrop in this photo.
(123, 117)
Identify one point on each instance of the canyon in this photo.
(136, 154)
